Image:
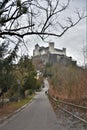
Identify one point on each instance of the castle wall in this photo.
(58, 52)
(42, 56)
(42, 50)
(41, 61)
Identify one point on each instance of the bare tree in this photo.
(34, 17)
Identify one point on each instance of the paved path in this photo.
(38, 115)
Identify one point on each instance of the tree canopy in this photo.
(6, 67)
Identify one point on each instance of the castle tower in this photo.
(36, 50)
(64, 51)
(51, 46)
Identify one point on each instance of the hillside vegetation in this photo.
(68, 82)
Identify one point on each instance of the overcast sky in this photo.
(73, 40)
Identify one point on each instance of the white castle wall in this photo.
(51, 50)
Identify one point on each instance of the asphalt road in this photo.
(38, 115)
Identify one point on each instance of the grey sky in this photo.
(73, 40)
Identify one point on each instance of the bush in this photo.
(13, 99)
(28, 92)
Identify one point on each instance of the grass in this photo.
(11, 107)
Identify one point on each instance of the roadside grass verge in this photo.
(13, 106)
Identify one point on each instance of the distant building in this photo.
(43, 55)
(38, 51)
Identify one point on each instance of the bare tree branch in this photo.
(34, 17)
(11, 30)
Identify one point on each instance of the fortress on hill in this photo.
(38, 51)
(51, 55)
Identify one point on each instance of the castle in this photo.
(44, 55)
(38, 51)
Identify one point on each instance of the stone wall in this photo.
(41, 61)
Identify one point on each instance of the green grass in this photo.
(22, 102)
(11, 107)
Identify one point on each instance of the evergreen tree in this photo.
(6, 67)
